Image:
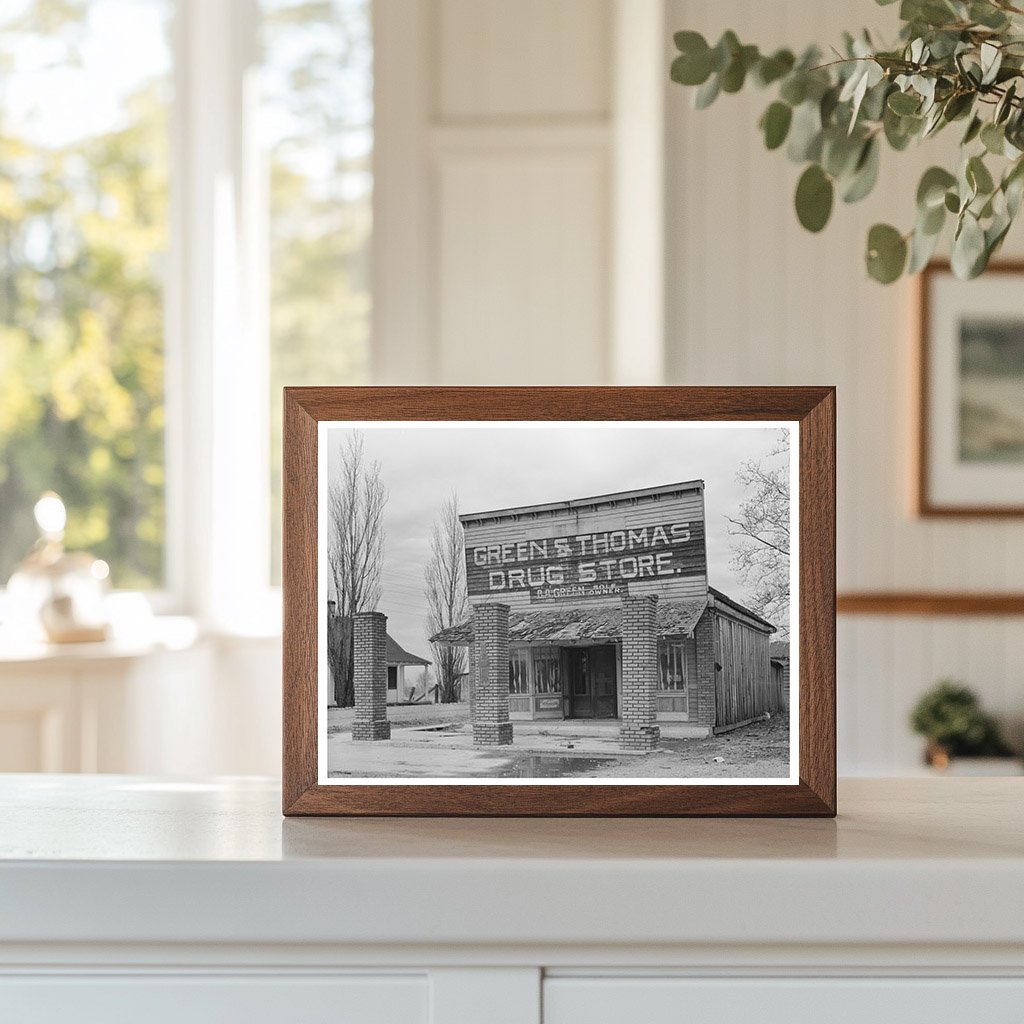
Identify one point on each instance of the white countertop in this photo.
(122, 859)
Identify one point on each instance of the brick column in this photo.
(703, 711)
(370, 676)
(491, 723)
(639, 673)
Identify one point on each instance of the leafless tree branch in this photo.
(760, 551)
(446, 593)
(356, 498)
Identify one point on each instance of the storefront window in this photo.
(673, 667)
(519, 670)
(547, 670)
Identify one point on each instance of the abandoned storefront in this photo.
(600, 608)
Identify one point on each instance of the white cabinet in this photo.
(829, 1000)
(175, 704)
(126, 899)
(200, 999)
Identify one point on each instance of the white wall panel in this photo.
(522, 282)
(525, 58)
(493, 260)
(754, 299)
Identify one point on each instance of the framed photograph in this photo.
(970, 451)
(559, 601)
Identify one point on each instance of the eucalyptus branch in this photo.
(955, 61)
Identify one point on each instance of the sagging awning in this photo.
(674, 619)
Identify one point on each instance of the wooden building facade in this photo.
(567, 572)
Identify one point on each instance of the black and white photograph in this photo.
(557, 602)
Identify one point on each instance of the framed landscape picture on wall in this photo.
(970, 451)
(559, 601)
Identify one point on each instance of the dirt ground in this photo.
(404, 715)
(758, 750)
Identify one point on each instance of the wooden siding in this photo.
(659, 510)
(744, 686)
(780, 686)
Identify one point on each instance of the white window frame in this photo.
(218, 515)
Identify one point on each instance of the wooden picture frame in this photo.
(810, 792)
(930, 378)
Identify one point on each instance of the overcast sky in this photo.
(494, 467)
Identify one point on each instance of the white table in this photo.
(124, 898)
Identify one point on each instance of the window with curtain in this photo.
(547, 670)
(519, 670)
(673, 667)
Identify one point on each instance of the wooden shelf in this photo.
(928, 603)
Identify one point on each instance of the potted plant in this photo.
(950, 717)
(956, 62)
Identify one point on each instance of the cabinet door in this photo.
(653, 1000)
(205, 999)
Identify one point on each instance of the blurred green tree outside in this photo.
(317, 87)
(83, 241)
(83, 230)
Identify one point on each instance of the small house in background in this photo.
(400, 689)
(778, 655)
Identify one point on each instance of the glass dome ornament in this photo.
(56, 595)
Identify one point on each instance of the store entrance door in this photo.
(591, 678)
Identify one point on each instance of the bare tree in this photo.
(355, 553)
(447, 600)
(760, 551)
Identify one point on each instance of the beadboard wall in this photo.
(551, 210)
(753, 299)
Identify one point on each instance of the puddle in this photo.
(546, 766)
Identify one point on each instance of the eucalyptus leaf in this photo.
(968, 247)
(973, 130)
(932, 221)
(707, 93)
(805, 133)
(865, 173)
(993, 138)
(735, 74)
(724, 51)
(922, 247)
(691, 70)
(1005, 105)
(771, 69)
(900, 130)
(886, 253)
(794, 88)
(775, 124)
(814, 196)
(987, 15)
(931, 190)
(957, 106)
(955, 60)
(840, 152)
(991, 60)
(904, 103)
(978, 176)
